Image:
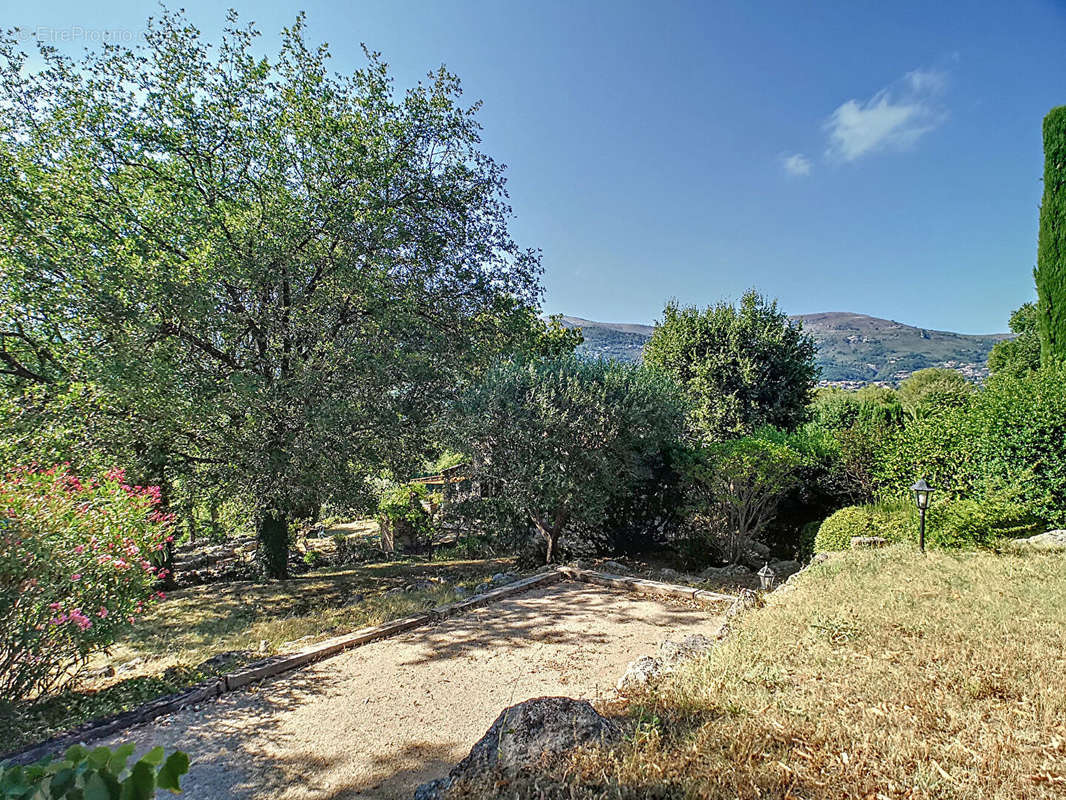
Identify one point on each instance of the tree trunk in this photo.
(550, 532)
(272, 531)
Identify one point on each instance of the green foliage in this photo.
(980, 522)
(78, 558)
(561, 441)
(932, 390)
(277, 332)
(744, 480)
(952, 522)
(97, 774)
(741, 367)
(1050, 273)
(940, 446)
(1021, 355)
(1019, 430)
(892, 521)
(402, 505)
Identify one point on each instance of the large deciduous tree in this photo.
(1021, 355)
(561, 440)
(261, 269)
(1050, 270)
(742, 366)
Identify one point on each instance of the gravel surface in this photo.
(379, 719)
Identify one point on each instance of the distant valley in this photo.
(853, 349)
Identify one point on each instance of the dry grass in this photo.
(883, 674)
(238, 623)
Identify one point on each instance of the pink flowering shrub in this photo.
(78, 563)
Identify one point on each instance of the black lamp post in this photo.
(922, 491)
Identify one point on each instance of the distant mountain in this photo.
(853, 349)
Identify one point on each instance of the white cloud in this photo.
(796, 164)
(893, 119)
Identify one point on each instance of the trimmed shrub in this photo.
(100, 773)
(78, 560)
(894, 521)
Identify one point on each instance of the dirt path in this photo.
(382, 718)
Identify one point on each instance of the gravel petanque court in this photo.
(379, 719)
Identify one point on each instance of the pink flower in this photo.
(102, 613)
(76, 576)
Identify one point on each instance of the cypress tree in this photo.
(1050, 270)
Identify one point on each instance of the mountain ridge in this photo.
(853, 349)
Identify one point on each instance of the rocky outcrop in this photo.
(525, 736)
(1052, 540)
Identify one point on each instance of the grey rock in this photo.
(419, 586)
(615, 567)
(819, 558)
(641, 672)
(500, 578)
(481, 588)
(433, 790)
(693, 646)
(782, 569)
(356, 599)
(398, 590)
(668, 574)
(461, 592)
(1050, 541)
(525, 734)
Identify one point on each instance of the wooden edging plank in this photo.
(645, 586)
(268, 668)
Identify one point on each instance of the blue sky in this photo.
(882, 158)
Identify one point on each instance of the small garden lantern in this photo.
(766, 577)
(922, 491)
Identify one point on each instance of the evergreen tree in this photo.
(1050, 270)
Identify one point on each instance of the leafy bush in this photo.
(400, 510)
(957, 522)
(78, 559)
(973, 522)
(893, 521)
(98, 774)
(1019, 431)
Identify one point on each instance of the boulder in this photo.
(422, 585)
(1052, 540)
(526, 735)
(783, 569)
(693, 646)
(481, 588)
(461, 593)
(500, 578)
(641, 672)
(615, 567)
(668, 574)
(394, 592)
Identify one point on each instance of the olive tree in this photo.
(560, 440)
(263, 270)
